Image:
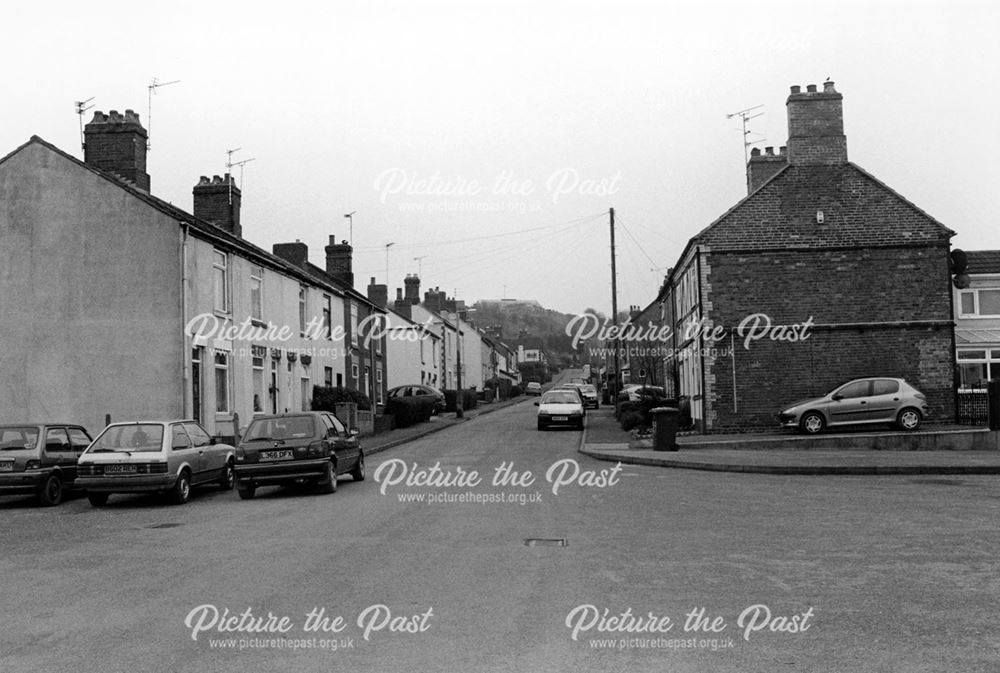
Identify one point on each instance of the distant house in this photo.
(820, 275)
(413, 343)
(118, 303)
(977, 321)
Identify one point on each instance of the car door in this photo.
(345, 444)
(850, 403)
(213, 457)
(183, 451)
(884, 401)
(78, 440)
(58, 451)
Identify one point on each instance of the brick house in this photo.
(826, 252)
(977, 321)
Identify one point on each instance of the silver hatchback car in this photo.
(868, 401)
(154, 456)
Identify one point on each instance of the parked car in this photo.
(859, 402)
(579, 380)
(573, 388)
(560, 407)
(40, 458)
(533, 388)
(311, 447)
(633, 391)
(418, 389)
(154, 457)
(589, 393)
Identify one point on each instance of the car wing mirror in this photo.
(838, 397)
(536, 404)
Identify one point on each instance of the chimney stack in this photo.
(338, 261)
(402, 305)
(117, 144)
(412, 284)
(218, 201)
(378, 293)
(296, 253)
(816, 126)
(762, 167)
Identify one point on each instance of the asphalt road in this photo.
(872, 573)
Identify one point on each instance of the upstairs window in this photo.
(257, 293)
(983, 303)
(220, 274)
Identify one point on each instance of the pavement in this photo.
(387, 440)
(605, 440)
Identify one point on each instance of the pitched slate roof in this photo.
(198, 227)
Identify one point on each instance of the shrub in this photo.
(326, 398)
(410, 410)
(469, 399)
(631, 419)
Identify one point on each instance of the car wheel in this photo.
(329, 482)
(228, 477)
(358, 473)
(812, 423)
(181, 492)
(246, 491)
(908, 419)
(98, 499)
(51, 492)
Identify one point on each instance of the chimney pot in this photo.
(828, 87)
(769, 151)
(811, 88)
(796, 89)
(755, 152)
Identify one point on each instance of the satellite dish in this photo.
(959, 261)
(961, 281)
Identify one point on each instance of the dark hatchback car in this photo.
(311, 447)
(40, 458)
(419, 390)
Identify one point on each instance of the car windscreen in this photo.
(588, 389)
(289, 427)
(561, 397)
(18, 437)
(129, 438)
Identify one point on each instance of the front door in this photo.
(852, 405)
(196, 357)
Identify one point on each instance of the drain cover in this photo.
(545, 541)
(165, 525)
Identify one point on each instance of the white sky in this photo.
(328, 97)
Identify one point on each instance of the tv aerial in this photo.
(81, 109)
(153, 86)
(229, 168)
(746, 116)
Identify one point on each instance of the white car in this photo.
(533, 388)
(560, 407)
(154, 456)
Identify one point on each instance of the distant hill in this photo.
(528, 323)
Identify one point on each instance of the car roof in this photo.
(291, 414)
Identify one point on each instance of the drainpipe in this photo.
(701, 347)
(186, 396)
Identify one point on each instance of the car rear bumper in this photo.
(22, 482)
(273, 473)
(143, 483)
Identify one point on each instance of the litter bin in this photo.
(665, 428)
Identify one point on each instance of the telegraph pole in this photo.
(614, 309)
(459, 410)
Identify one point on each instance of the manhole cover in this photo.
(165, 525)
(545, 541)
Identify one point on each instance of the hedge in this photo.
(326, 398)
(410, 410)
(470, 399)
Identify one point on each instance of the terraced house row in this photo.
(116, 302)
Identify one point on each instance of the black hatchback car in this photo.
(40, 458)
(311, 447)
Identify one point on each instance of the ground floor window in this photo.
(328, 376)
(977, 366)
(222, 382)
(378, 384)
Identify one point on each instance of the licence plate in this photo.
(560, 418)
(7, 466)
(120, 469)
(285, 454)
